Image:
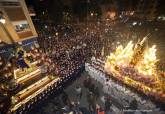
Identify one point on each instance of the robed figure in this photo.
(21, 61)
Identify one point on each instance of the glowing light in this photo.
(147, 65)
(91, 14)
(135, 65)
(123, 56)
(56, 33)
(131, 13)
(3, 21)
(134, 23)
(111, 15)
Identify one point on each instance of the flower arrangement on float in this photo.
(135, 65)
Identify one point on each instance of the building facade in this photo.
(18, 25)
(146, 9)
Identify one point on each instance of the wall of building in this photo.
(19, 25)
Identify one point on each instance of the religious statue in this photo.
(21, 61)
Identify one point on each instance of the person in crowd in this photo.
(108, 104)
(134, 104)
(30, 57)
(91, 102)
(97, 93)
(2, 63)
(65, 97)
(100, 111)
(79, 92)
(87, 83)
(102, 99)
(92, 87)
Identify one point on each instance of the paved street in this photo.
(49, 106)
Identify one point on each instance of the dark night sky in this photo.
(125, 3)
(79, 7)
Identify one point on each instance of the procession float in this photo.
(136, 66)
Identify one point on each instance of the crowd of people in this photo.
(60, 57)
(127, 99)
(73, 103)
(93, 95)
(64, 47)
(57, 64)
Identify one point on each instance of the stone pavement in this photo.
(49, 106)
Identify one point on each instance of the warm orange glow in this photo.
(135, 65)
(111, 15)
(123, 56)
(147, 65)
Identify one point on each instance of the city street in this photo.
(50, 106)
(82, 57)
